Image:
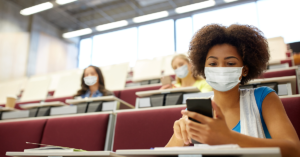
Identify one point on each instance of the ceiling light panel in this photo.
(196, 6)
(77, 33)
(228, 1)
(36, 9)
(63, 2)
(150, 17)
(112, 25)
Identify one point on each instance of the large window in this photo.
(273, 17)
(85, 53)
(184, 34)
(156, 39)
(241, 14)
(115, 47)
(280, 18)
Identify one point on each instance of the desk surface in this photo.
(257, 152)
(284, 79)
(85, 154)
(103, 98)
(44, 104)
(165, 91)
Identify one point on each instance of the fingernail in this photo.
(186, 142)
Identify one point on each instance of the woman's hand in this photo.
(180, 131)
(168, 86)
(210, 131)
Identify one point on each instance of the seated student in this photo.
(184, 77)
(228, 57)
(92, 83)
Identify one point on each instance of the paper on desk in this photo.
(201, 147)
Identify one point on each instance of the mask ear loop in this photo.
(245, 74)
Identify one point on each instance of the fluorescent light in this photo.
(62, 2)
(77, 33)
(36, 8)
(150, 17)
(112, 25)
(195, 6)
(228, 1)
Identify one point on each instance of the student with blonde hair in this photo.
(184, 76)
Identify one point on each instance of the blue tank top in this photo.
(259, 94)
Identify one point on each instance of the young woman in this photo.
(92, 83)
(184, 77)
(228, 57)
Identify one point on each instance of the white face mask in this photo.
(223, 78)
(90, 80)
(182, 71)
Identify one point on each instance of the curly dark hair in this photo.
(249, 41)
(84, 87)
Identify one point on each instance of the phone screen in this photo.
(200, 105)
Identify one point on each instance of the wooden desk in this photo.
(242, 152)
(45, 104)
(273, 70)
(61, 154)
(7, 109)
(284, 79)
(166, 91)
(103, 98)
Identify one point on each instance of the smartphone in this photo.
(166, 80)
(200, 105)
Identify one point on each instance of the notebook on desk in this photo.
(51, 148)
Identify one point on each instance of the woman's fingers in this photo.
(195, 125)
(199, 117)
(184, 132)
(177, 130)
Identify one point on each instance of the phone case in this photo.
(202, 106)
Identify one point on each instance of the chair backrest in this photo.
(115, 76)
(289, 61)
(14, 135)
(167, 68)
(129, 95)
(55, 78)
(145, 129)
(292, 108)
(68, 84)
(277, 48)
(147, 69)
(9, 88)
(86, 132)
(279, 73)
(36, 88)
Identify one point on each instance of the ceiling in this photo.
(91, 13)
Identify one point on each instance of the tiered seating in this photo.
(86, 132)
(280, 73)
(129, 95)
(13, 135)
(134, 129)
(115, 76)
(147, 70)
(292, 108)
(145, 129)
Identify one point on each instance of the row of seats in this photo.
(134, 129)
(129, 95)
(66, 83)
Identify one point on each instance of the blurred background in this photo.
(35, 44)
(55, 38)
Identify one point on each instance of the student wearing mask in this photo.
(92, 83)
(228, 57)
(184, 76)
